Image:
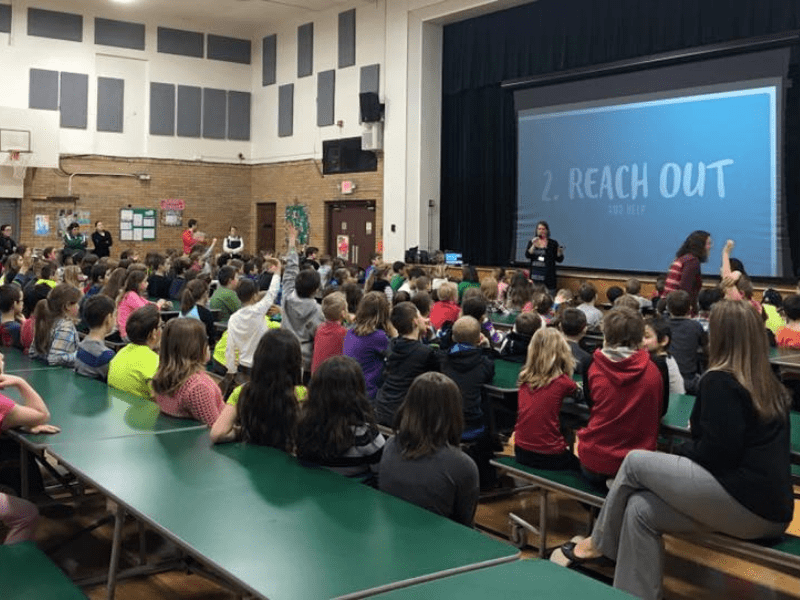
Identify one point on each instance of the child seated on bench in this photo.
(18, 515)
(625, 393)
(423, 463)
(93, 355)
(264, 411)
(788, 336)
(515, 346)
(55, 338)
(544, 382)
(337, 429)
(181, 386)
(134, 365)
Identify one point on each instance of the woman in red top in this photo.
(544, 382)
(684, 272)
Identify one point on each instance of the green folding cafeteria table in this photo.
(14, 360)
(273, 527)
(87, 409)
(26, 574)
(785, 357)
(528, 579)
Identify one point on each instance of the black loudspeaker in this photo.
(371, 109)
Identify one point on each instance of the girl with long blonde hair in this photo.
(544, 382)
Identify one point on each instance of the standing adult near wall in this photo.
(189, 238)
(544, 253)
(101, 239)
(233, 244)
(7, 244)
(684, 272)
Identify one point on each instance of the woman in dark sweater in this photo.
(734, 477)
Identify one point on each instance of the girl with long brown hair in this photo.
(368, 341)
(181, 386)
(423, 463)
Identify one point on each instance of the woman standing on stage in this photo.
(544, 253)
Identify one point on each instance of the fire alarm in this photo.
(348, 187)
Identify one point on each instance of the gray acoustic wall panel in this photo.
(74, 100)
(347, 38)
(177, 41)
(190, 104)
(370, 78)
(305, 50)
(162, 109)
(56, 25)
(228, 49)
(214, 113)
(110, 104)
(238, 115)
(43, 90)
(5, 18)
(326, 84)
(286, 110)
(269, 59)
(121, 34)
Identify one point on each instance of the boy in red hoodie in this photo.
(627, 397)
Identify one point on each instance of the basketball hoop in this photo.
(18, 161)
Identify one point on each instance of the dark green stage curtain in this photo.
(478, 179)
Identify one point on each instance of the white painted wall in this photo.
(403, 36)
(20, 52)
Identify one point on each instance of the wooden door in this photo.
(265, 226)
(351, 231)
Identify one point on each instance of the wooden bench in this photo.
(783, 552)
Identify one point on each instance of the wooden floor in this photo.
(691, 572)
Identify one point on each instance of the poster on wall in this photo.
(172, 212)
(64, 217)
(41, 225)
(297, 215)
(83, 218)
(137, 224)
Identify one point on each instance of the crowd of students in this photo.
(315, 357)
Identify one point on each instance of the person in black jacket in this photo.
(7, 244)
(101, 239)
(408, 357)
(544, 253)
(735, 477)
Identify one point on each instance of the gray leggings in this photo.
(656, 493)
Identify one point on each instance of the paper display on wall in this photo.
(137, 224)
(41, 225)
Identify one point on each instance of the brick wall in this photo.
(302, 182)
(217, 195)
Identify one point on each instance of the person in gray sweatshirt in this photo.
(301, 314)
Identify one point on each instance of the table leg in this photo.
(115, 550)
(142, 544)
(543, 524)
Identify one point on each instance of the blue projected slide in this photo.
(622, 185)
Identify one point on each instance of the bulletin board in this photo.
(137, 224)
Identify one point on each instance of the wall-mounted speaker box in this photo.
(371, 108)
(372, 136)
(347, 156)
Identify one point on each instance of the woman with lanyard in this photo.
(544, 253)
